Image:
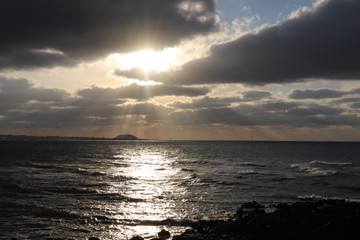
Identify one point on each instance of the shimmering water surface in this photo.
(117, 189)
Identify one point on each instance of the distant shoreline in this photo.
(10, 137)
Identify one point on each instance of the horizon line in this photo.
(4, 137)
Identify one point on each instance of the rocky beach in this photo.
(324, 219)
(327, 219)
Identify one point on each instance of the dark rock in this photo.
(163, 234)
(327, 219)
(137, 238)
(94, 238)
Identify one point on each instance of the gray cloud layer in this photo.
(284, 114)
(217, 102)
(319, 43)
(320, 93)
(25, 106)
(22, 104)
(43, 33)
(139, 92)
(205, 102)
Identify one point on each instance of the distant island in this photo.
(126, 137)
(10, 137)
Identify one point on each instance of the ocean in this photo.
(118, 189)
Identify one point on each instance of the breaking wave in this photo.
(331, 163)
(313, 171)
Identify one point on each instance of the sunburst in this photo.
(148, 59)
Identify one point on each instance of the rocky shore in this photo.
(325, 219)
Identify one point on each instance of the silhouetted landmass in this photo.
(11, 137)
(126, 137)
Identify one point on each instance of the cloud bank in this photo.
(26, 107)
(320, 93)
(270, 114)
(317, 42)
(42, 33)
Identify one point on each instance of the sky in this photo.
(195, 70)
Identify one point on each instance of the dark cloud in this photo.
(282, 114)
(319, 43)
(278, 106)
(140, 92)
(15, 93)
(355, 105)
(315, 110)
(320, 93)
(315, 94)
(216, 102)
(255, 95)
(29, 59)
(24, 105)
(42, 33)
(205, 102)
(98, 116)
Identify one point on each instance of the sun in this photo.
(148, 59)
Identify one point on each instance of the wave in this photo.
(280, 179)
(94, 194)
(13, 188)
(117, 196)
(56, 213)
(227, 183)
(80, 230)
(36, 210)
(252, 164)
(314, 171)
(43, 166)
(354, 188)
(318, 197)
(332, 163)
(120, 164)
(77, 191)
(91, 173)
(165, 222)
(249, 172)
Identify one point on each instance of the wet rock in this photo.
(163, 234)
(249, 209)
(137, 238)
(327, 219)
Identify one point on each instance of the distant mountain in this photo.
(126, 137)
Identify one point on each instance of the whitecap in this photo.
(331, 163)
(253, 164)
(310, 197)
(248, 172)
(314, 171)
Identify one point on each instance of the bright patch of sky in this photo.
(270, 12)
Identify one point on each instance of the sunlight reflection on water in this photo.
(151, 175)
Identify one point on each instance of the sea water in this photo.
(118, 189)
